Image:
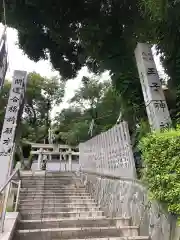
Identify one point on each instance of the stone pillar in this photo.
(156, 106)
(40, 159)
(9, 130)
(70, 159)
(50, 157)
(60, 158)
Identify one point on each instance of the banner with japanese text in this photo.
(13, 108)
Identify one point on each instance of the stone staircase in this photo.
(57, 206)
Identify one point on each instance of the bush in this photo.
(161, 160)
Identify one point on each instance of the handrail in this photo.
(7, 187)
(14, 182)
(9, 179)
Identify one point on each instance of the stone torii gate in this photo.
(58, 157)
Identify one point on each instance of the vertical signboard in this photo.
(156, 106)
(3, 58)
(13, 110)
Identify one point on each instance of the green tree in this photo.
(93, 100)
(42, 94)
(94, 33)
(71, 125)
(101, 35)
(90, 94)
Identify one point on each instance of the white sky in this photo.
(19, 61)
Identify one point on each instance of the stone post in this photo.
(155, 102)
(60, 158)
(40, 159)
(70, 159)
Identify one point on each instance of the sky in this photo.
(19, 61)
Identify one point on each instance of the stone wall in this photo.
(127, 198)
(108, 172)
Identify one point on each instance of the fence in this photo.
(109, 152)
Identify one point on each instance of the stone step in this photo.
(53, 189)
(73, 222)
(35, 215)
(47, 173)
(57, 209)
(57, 200)
(52, 204)
(48, 176)
(53, 179)
(55, 197)
(62, 182)
(51, 185)
(44, 191)
(71, 233)
(57, 193)
(116, 238)
(43, 178)
(51, 194)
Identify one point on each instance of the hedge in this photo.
(161, 173)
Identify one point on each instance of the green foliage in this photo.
(42, 94)
(93, 100)
(70, 126)
(177, 106)
(157, 8)
(76, 34)
(101, 35)
(77, 133)
(161, 155)
(97, 34)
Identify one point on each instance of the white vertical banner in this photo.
(156, 106)
(13, 108)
